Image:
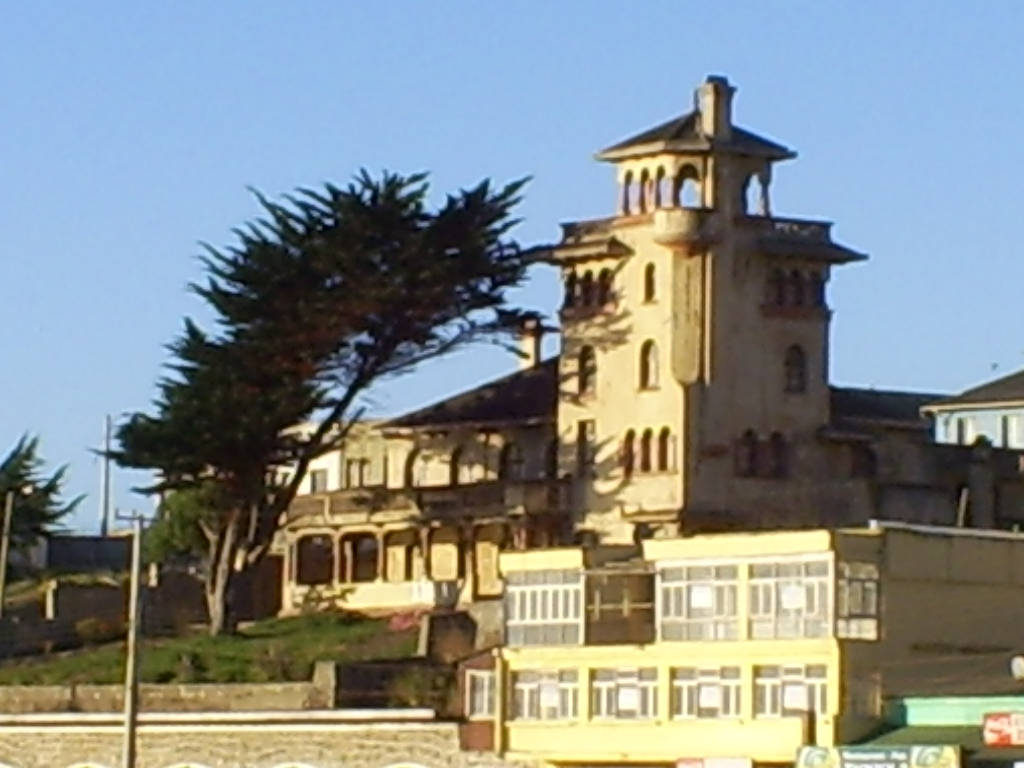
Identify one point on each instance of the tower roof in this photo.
(684, 134)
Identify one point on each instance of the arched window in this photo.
(659, 182)
(412, 464)
(587, 289)
(650, 287)
(587, 371)
(364, 557)
(645, 185)
(796, 289)
(604, 287)
(628, 455)
(816, 290)
(627, 191)
(648, 365)
(795, 370)
(746, 454)
(314, 560)
(775, 289)
(510, 463)
(779, 458)
(570, 290)
(645, 450)
(687, 192)
(455, 467)
(664, 450)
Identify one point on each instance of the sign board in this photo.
(702, 597)
(714, 762)
(628, 699)
(792, 597)
(709, 696)
(917, 756)
(549, 696)
(794, 697)
(1003, 729)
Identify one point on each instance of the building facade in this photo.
(741, 646)
(993, 411)
(691, 394)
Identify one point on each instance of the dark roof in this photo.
(848, 403)
(525, 395)
(684, 132)
(1007, 388)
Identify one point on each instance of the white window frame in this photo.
(624, 694)
(693, 605)
(777, 687)
(544, 694)
(858, 600)
(318, 473)
(479, 704)
(793, 601)
(544, 600)
(694, 688)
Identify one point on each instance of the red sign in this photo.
(1003, 729)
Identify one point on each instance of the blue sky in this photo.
(130, 131)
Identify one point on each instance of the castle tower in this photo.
(695, 330)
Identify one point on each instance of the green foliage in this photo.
(94, 630)
(330, 291)
(273, 650)
(423, 685)
(178, 530)
(38, 508)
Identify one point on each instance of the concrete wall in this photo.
(315, 740)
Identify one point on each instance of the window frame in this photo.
(474, 679)
(607, 685)
(316, 475)
(770, 689)
(542, 600)
(687, 686)
(773, 591)
(527, 689)
(724, 618)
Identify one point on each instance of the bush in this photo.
(94, 630)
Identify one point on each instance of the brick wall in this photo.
(329, 741)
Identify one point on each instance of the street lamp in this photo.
(5, 538)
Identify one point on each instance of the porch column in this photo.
(381, 554)
(425, 549)
(339, 558)
(346, 545)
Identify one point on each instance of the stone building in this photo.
(691, 394)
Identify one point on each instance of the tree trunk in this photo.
(218, 579)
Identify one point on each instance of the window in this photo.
(314, 557)
(649, 285)
(698, 602)
(746, 454)
(788, 691)
(365, 553)
(604, 287)
(570, 290)
(585, 436)
(544, 608)
(795, 370)
(857, 601)
(789, 599)
(816, 289)
(318, 481)
(645, 451)
(779, 457)
(706, 692)
(624, 694)
(628, 456)
(775, 289)
(510, 463)
(587, 371)
(648, 365)
(587, 289)
(356, 472)
(664, 450)
(454, 467)
(479, 694)
(796, 288)
(545, 695)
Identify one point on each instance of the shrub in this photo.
(94, 630)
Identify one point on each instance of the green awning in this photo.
(967, 736)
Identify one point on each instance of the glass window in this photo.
(706, 692)
(790, 690)
(857, 601)
(698, 602)
(790, 599)
(318, 481)
(545, 695)
(479, 693)
(627, 694)
(544, 608)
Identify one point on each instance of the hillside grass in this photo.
(269, 650)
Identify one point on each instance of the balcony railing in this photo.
(789, 229)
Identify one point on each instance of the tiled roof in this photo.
(1009, 388)
(879, 405)
(525, 395)
(684, 132)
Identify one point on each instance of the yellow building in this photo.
(691, 394)
(744, 645)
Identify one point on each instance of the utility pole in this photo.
(5, 545)
(105, 481)
(131, 670)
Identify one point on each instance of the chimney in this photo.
(714, 102)
(531, 332)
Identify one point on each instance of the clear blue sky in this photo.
(131, 130)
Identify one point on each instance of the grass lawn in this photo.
(270, 650)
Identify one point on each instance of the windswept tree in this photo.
(38, 508)
(326, 294)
